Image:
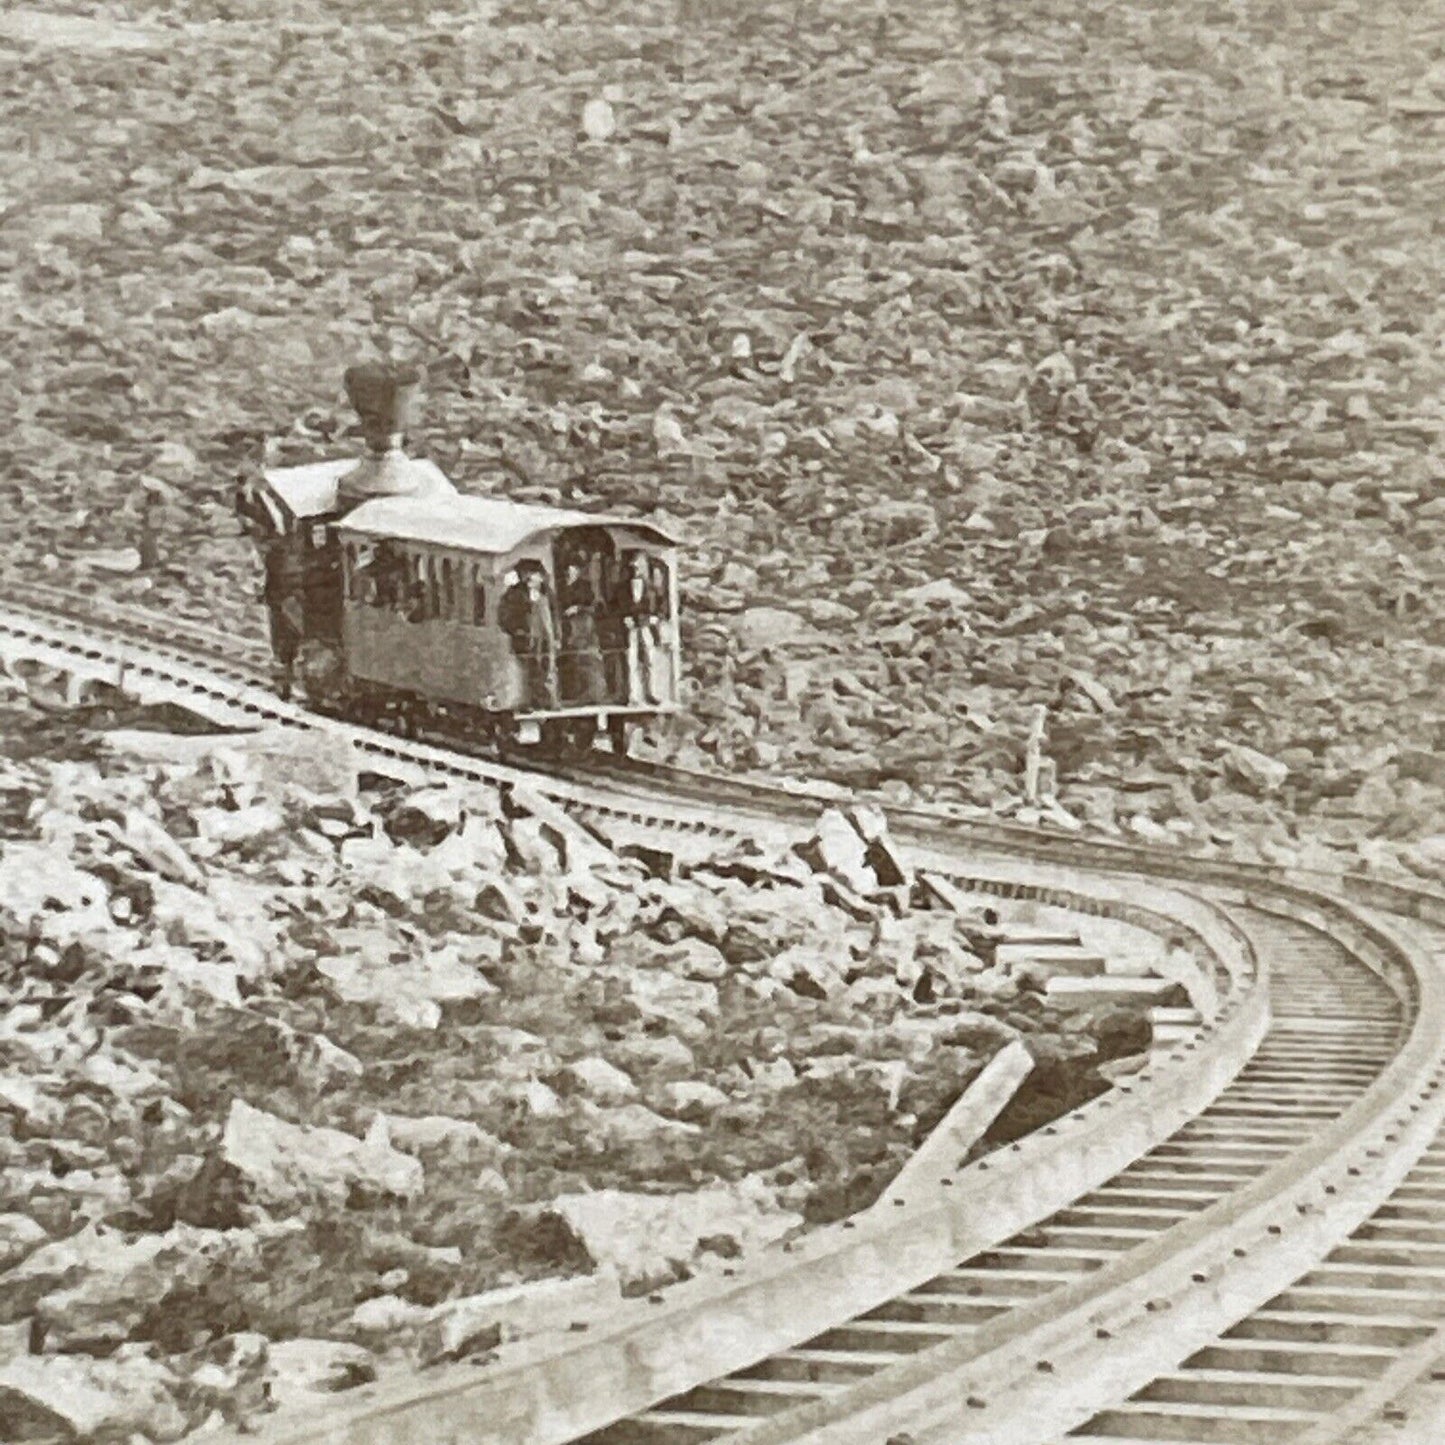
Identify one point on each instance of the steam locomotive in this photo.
(394, 598)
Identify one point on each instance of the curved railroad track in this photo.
(1245, 1242)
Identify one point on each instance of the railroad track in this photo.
(1245, 1243)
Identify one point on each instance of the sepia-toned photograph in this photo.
(722, 722)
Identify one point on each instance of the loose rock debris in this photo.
(993, 357)
(308, 1077)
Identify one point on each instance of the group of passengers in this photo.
(591, 644)
(602, 639)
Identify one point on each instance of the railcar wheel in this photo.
(580, 734)
(556, 739)
(364, 708)
(584, 736)
(504, 738)
(408, 718)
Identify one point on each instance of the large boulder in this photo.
(394, 870)
(693, 958)
(691, 1099)
(300, 1370)
(238, 827)
(655, 1054)
(288, 1163)
(475, 847)
(147, 841)
(19, 1236)
(809, 970)
(688, 1006)
(231, 912)
(686, 912)
(577, 849)
(646, 1238)
(72, 1397)
(759, 628)
(623, 1126)
(383, 1319)
(598, 1080)
(316, 761)
(410, 990)
(66, 1262)
(427, 1132)
(1260, 772)
(95, 1287)
(480, 1322)
(838, 848)
(38, 881)
(182, 975)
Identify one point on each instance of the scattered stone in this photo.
(437, 1131)
(480, 1322)
(300, 1370)
(600, 1081)
(691, 1099)
(519, 992)
(19, 1236)
(72, 1397)
(286, 1163)
(838, 848)
(645, 1238)
(386, 1318)
(1261, 773)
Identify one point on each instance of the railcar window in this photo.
(385, 571)
(414, 601)
(449, 587)
(434, 586)
(479, 597)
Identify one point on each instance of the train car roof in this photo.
(479, 524)
(310, 491)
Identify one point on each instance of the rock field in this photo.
(305, 1076)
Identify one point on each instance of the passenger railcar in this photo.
(392, 594)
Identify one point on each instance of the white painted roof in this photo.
(477, 524)
(310, 491)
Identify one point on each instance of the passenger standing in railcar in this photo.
(281, 593)
(637, 605)
(611, 631)
(256, 522)
(581, 663)
(525, 615)
(662, 651)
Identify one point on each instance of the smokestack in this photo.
(385, 397)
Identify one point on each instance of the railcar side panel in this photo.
(436, 658)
